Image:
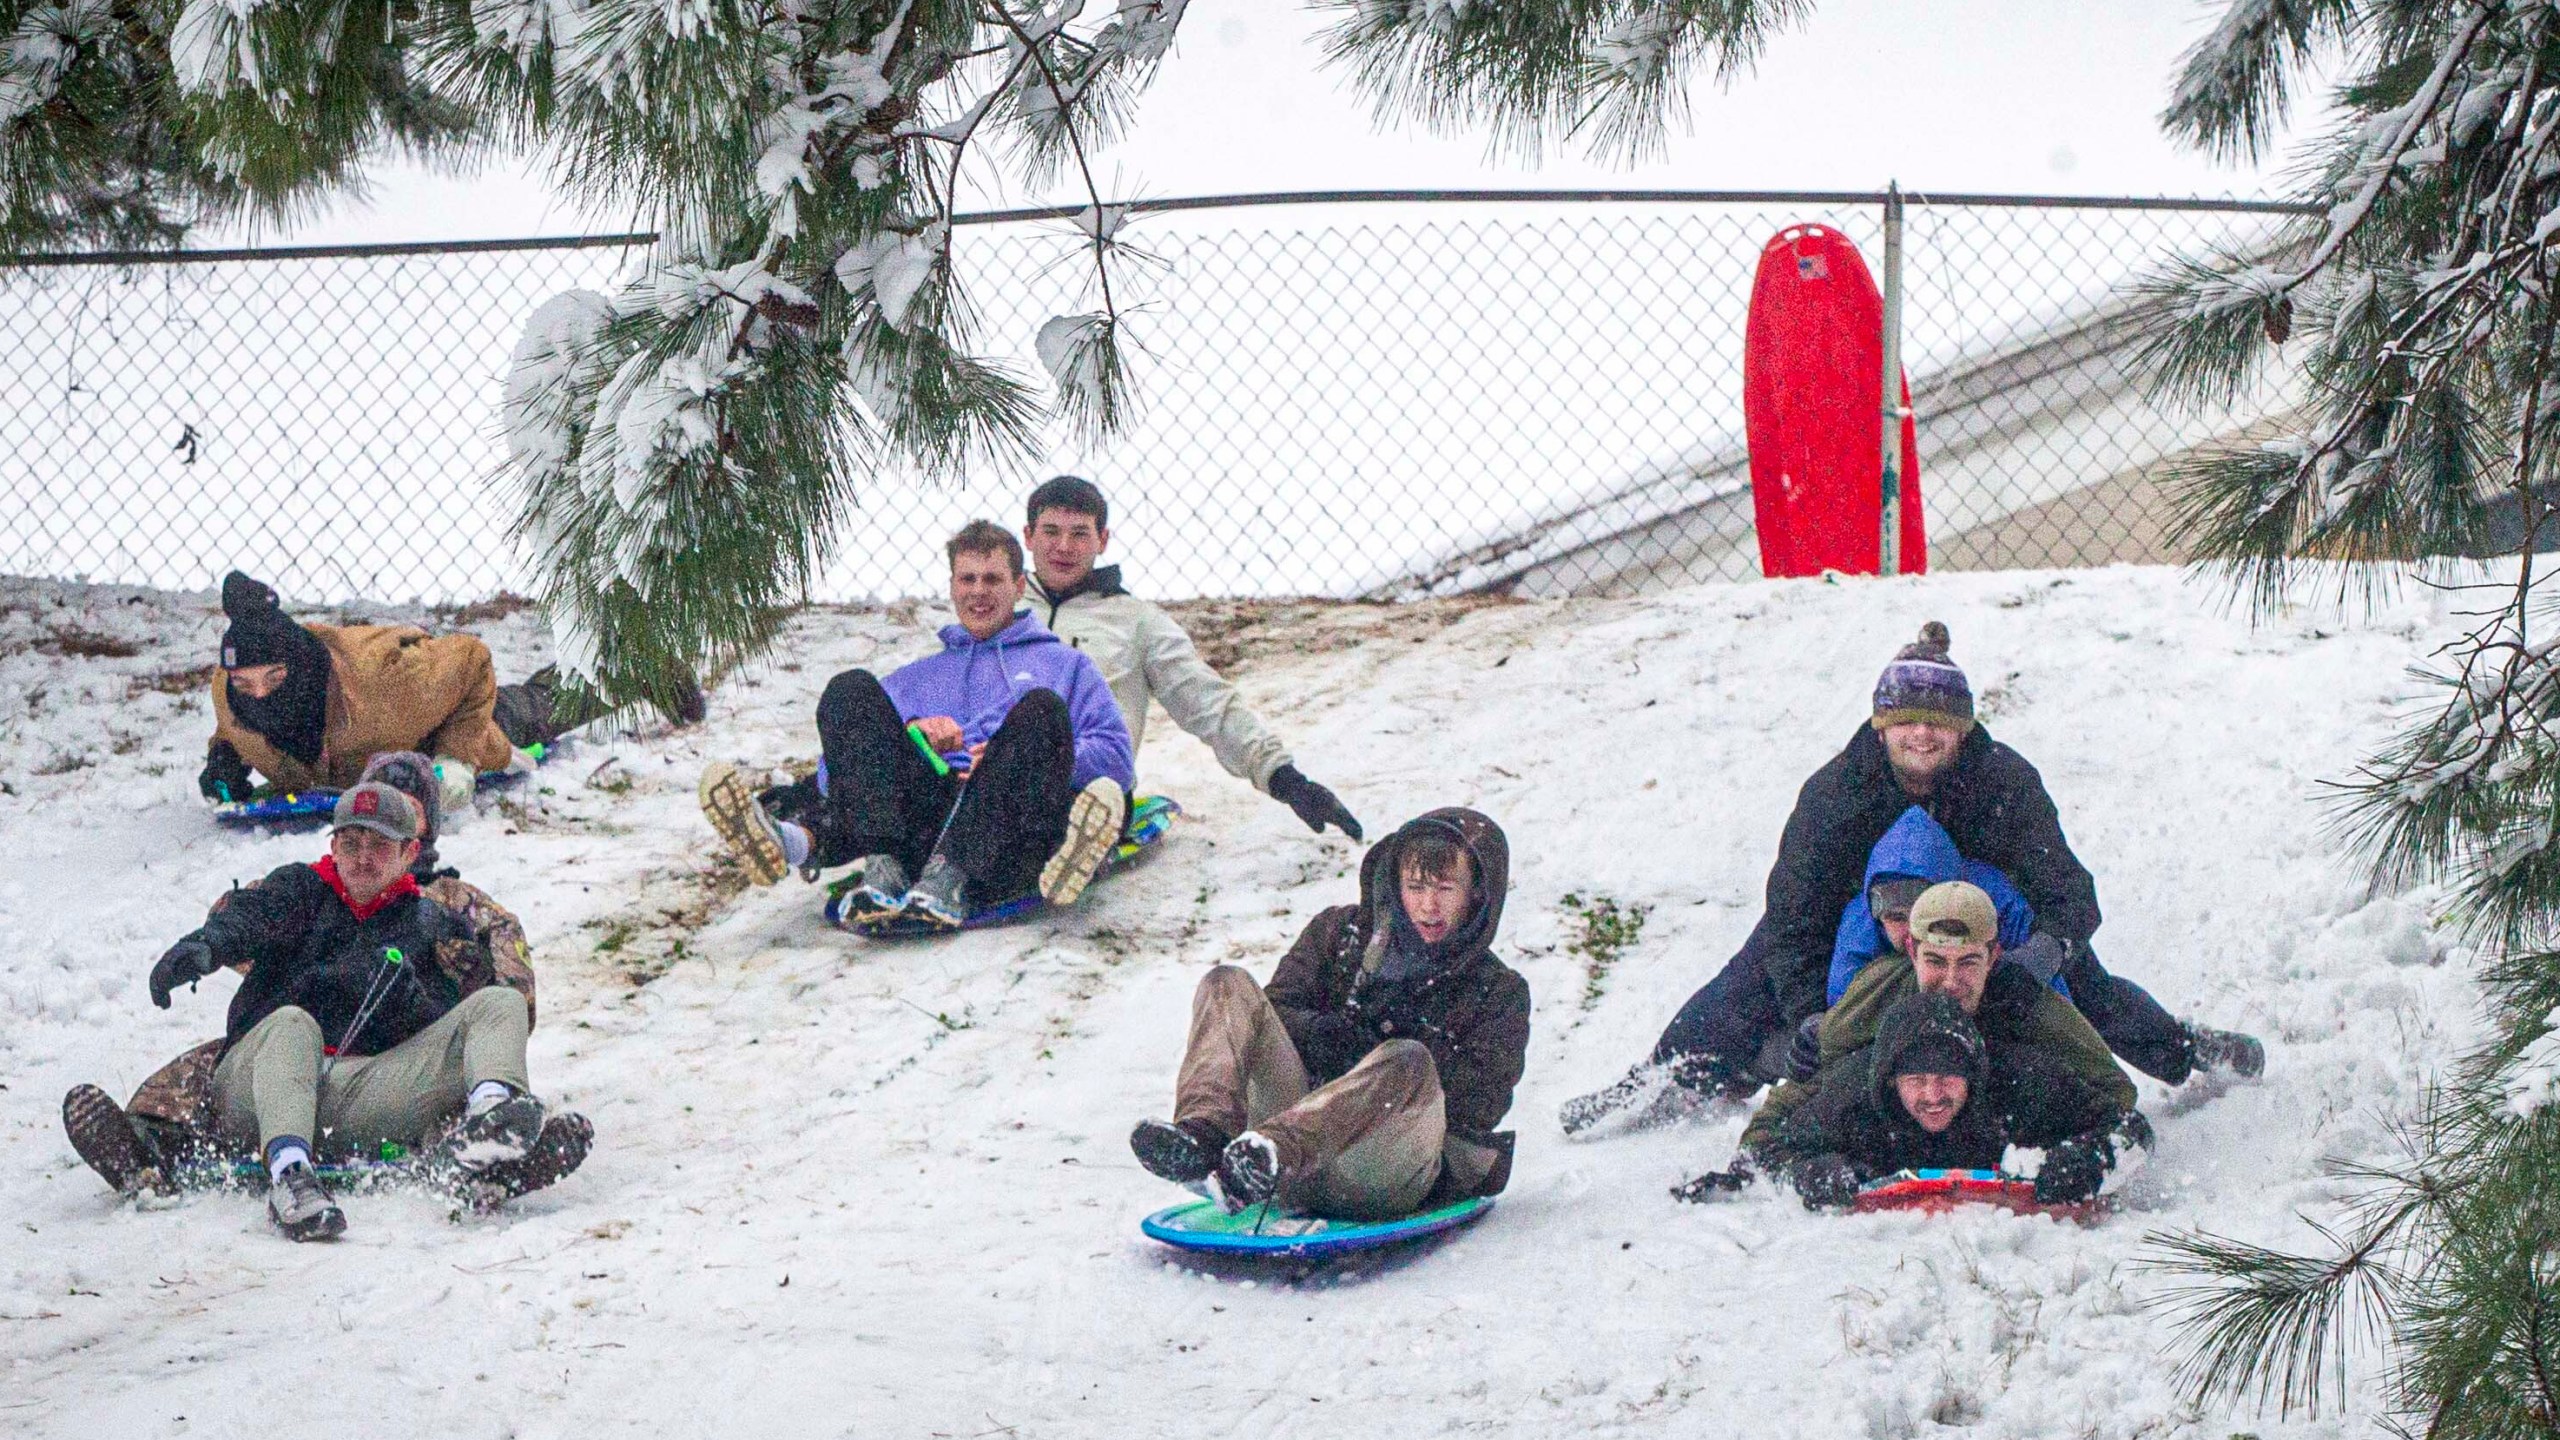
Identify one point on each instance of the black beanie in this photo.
(261, 633)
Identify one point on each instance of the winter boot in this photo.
(554, 1156)
(1648, 1097)
(497, 1134)
(105, 1137)
(1185, 1153)
(2230, 1050)
(882, 895)
(937, 897)
(1248, 1171)
(301, 1207)
(750, 834)
(1093, 827)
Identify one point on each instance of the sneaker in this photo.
(936, 897)
(730, 805)
(503, 1133)
(554, 1156)
(301, 1207)
(1093, 828)
(1648, 1097)
(882, 895)
(2230, 1050)
(105, 1138)
(1249, 1170)
(1185, 1153)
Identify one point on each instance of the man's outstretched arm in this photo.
(1204, 703)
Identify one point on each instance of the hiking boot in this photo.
(1093, 828)
(882, 895)
(502, 1133)
(301, 1207)
(730, 805)
(1184, 1152)
(1248, 1170)
(555, 1155)
(2230, 1050)
(936, 896)
(1648, 1097)
(106, 1139)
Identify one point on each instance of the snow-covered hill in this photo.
(846, 1188)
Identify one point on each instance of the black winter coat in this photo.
(2021, 1096)
(1472, 1014)
(304, 946)
(1993, 805)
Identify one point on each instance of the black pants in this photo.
(882, 797)
(1733, 1032)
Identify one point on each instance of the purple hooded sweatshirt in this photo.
(976, 682)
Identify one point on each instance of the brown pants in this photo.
(1363, 1147)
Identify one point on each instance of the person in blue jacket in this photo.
(1914, 855)
(999, 765)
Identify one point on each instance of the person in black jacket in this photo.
(349, 1034)
(1365, 1081)
(1921, 746)
(1930, 1095)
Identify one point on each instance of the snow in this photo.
(535, 404)
(894, 268)
(1072, 349)
(852, 1188)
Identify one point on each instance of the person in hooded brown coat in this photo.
(1365, 1081)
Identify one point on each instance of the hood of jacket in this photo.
(1923, 1017)
(1381, 908)
(1103, 580)
(1917, 847)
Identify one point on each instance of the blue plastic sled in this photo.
(1149, 819)
(291, 810)
(1268, 1232)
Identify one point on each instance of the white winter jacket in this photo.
(1145, 654)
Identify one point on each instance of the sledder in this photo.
(307, 706)
(1930, 1095)
(1365, 1081)
(1920, 747)
(352, 1033)
(998, 766)
(1145, 654)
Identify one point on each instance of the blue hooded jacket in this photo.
(977, 682)
(1919, 847)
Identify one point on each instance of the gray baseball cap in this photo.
(377, 807)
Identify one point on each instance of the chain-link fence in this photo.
(1345, 398)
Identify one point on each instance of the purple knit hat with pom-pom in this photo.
(1923, 684)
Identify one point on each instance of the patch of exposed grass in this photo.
(1607, 931)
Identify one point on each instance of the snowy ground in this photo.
(846, 1188)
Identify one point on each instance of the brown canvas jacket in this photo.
(391, 687)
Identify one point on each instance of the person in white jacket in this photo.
(1145, 654)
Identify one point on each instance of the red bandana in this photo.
(401, 888)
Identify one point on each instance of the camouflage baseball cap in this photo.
(377, 807)
(1955, 913)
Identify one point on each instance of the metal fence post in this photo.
(1889, 532)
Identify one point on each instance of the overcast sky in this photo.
(2040, 96)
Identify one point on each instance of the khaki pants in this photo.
(1363, 1147)
(269, 1084)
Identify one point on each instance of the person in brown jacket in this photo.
(308, 705)
(1365, 1080)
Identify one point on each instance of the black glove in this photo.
(187, 962)
(1315, 804)
(2074, 1169)
(1335, 1043)
(2042, 956)
(1804, 1053)
(1826, 1181)
(225, 777)
(1716, 1184)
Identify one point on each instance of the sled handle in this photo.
(915, 732)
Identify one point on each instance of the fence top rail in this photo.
(1175, 204)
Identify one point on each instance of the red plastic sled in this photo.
(1935, 1192)
(1812, 358)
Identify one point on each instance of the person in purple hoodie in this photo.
(1031, 789)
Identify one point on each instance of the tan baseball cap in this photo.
(377, 807)
(1954, 913)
